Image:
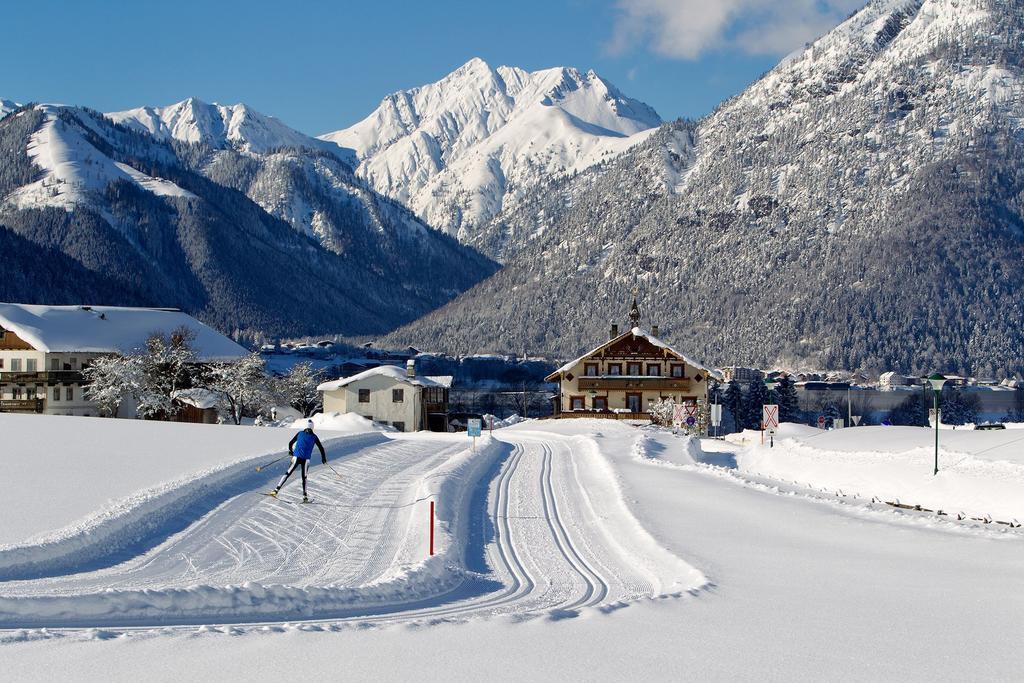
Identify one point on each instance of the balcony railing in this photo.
(52, 376)
(622, 382)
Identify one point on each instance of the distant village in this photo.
(96, 361)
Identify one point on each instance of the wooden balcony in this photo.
(53, 376)
(628, 383)
(602, 415)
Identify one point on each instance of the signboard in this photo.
(691, 409)
(838, 423)
(690, 421)
(716, 415)
(821, 422)
(678, 413)
(770, 416)
(473, 427)
(856, 420)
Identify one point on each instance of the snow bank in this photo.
(141, 520)
(58, 469)
(348, 423)
(453, 485)
(980, 473)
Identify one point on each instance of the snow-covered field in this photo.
(980, 472)
(565, 549)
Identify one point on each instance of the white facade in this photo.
(390, 396)
(43, 350)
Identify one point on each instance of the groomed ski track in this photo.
(532, 523)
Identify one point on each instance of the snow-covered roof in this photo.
(109, 329)
(640, 334)
(392, 372)
(204, 399)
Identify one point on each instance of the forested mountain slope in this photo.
(859, 206)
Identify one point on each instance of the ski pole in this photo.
(260, 468)
(334, 470)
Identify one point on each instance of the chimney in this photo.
(615, 331)
(410, 368)
(654, 330)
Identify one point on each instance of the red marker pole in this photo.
(431, 528)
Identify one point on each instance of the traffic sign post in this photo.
(856, 420)
(770, 420)
(678, 415)
(716, 417)
(821, 422)
(474, 429)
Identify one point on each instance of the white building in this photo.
(740, 374)
(389, 395)
(43, 350)
(888, 381)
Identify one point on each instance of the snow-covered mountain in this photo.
(6, 107)
(859, 206)
(461, 150)
(152, 219)
(219, 126)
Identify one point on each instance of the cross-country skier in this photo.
(300, 448)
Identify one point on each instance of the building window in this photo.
(398, 396)
(634, 369)
(654, 369)
(69, 394)
(400, 426)
(590, 369)
(678, 370)
(40, 391)
(576, 403)
(55, 364)
(16, 393)
(74, 362)
(601, 403)
(31, 365)
(1, 363)
(15, 365)
(615, 369)
(364, 395)
(56, 393)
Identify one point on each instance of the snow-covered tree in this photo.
(662, 411)
(753, 403)
(789, 403)
(111, 379)
(911, 412)
(732, 399)
(243, 384)
(297, 388)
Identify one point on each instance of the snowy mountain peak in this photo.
(460, 150)
(7, 106)
(237, 126)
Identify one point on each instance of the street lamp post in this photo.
(936, 380)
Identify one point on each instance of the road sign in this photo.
(691, 409)
(838, 423)
(716, 415)
(678, 413)
(821, 422)
(691, 420)
(473, 427)
(856, 420)
(770, 416)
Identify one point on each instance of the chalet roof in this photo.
(392, 372)
(638, 333)
(109, 329)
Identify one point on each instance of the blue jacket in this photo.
(301, 445)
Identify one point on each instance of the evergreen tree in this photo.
(911, 412)
(753, 402)
(732, 399)
(789, 404)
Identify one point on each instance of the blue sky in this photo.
(320, 66)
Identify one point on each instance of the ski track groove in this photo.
(545, 550)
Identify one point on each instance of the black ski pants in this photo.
(296, 462)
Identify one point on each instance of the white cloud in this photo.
(686, 29)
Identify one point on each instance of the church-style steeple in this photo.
(634, 314)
